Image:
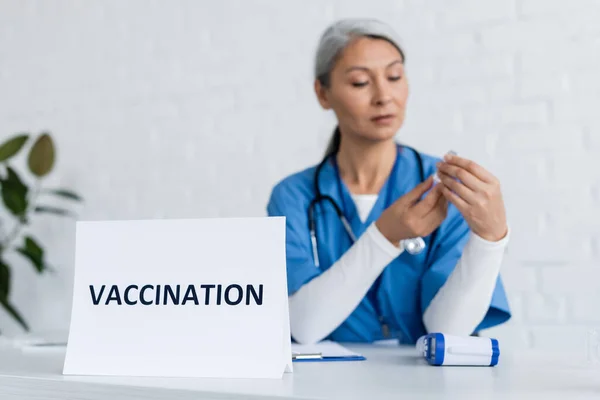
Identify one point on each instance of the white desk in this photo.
(389, 372)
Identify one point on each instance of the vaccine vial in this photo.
(436, 178)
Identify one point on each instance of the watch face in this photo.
(414, 246)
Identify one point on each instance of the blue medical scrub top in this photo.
(407, 285)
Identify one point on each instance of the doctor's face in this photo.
(368, 90)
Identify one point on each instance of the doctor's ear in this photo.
(322, 95)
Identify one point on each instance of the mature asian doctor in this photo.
(375, 248)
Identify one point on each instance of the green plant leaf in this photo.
(14, 313)
(53, 210)
(34, 253)
(12, 146)
(41, 156)
(14, 193)
(4, 281)
(5, 291)
(64, 193)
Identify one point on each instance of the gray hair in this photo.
(334, 41)
(339, 35)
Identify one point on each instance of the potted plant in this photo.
(21, 201)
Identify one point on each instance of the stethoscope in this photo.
(412, 245)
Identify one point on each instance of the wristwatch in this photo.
(413, 245)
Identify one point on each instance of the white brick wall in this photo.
(160, 109)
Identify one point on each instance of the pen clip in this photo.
(306, 356)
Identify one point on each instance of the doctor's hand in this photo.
(409, 217)
(477, 195)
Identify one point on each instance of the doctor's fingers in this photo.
(435, 217)
(459, 188)
(430, 201)
(430, 222)
(414, 195)
(465, 176)
(460, 204)
(472, 167)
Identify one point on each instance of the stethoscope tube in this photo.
(312, 223)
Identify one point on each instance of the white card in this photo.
(229, 319)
